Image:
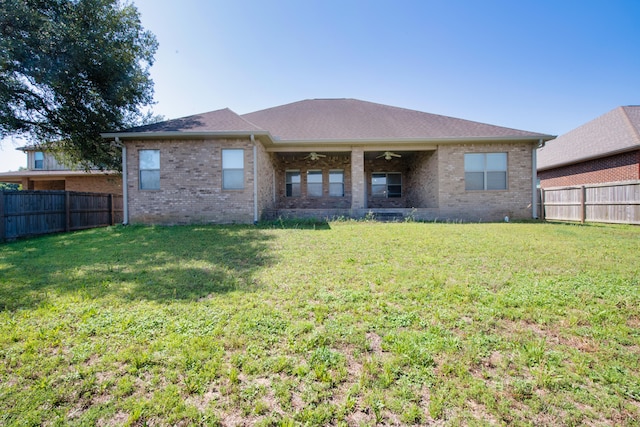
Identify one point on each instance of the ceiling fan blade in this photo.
(388, 155)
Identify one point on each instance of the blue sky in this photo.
(539, 65)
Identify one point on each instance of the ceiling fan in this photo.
(388, 155)
(314, 156)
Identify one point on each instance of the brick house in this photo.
(606, 149)
(44, 172)
(325, 158)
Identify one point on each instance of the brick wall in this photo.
(47, 185)
(111, 184)
(620, 167)
(422, 180)
(456, 202)
(266, 184)
(190, 183)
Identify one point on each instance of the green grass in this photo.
(345, 323)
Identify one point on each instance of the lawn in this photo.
(341, 323)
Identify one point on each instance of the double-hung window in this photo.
(38, 160)
(336, 183)
(292, 183)
(388, 185)
(314, 183)
(149, 169)
(233, 169)
(485, 171)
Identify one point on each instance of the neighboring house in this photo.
(606, 149)
(325, 158)
(44, 172)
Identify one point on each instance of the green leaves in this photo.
(71, 69)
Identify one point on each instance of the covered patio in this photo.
(363, 181)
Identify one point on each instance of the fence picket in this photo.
(615, 202)
(31, 213)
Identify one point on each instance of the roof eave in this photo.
(452, 140)
(177, 134)
(272, 141)
(41, 175)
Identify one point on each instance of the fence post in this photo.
(111, 212)
(67, 211)
(2, 219)
(542, 209)
(583, 204)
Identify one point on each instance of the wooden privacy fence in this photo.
(616, 202)
(31, 213)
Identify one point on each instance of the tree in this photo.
(71, 69)
(9, 187)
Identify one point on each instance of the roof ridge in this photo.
(634, 129)
(245, 120)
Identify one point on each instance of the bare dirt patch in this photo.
(375, 342)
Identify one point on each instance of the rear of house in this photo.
(326, 158)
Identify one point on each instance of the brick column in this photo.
(27, 184)
(357, 179)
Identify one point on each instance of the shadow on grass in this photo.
(134, 263)
(296, 224)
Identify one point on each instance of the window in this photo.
(233, 169)
(293, 183)
(38, 162)
(149, 169)
(386, 184)
(314, 183)
(336, 183)
(485, 171)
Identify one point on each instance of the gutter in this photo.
(277, 142)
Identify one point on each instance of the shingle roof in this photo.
(614, 132)
(352, 119)
(337, 120)
(219, 121)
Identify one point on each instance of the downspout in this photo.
(125, 189)
(255, 180)
(534, 179)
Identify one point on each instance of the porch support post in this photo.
(357, 179)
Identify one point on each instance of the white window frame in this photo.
(36, 160)
(230, 169)
(292, 188)
(155, 169)
(333, 185)
(486, 169)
